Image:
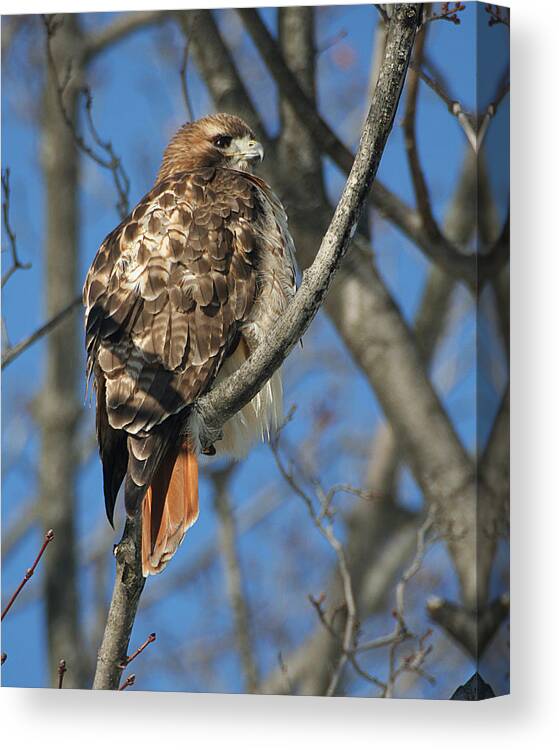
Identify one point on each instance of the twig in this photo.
(454, 107)
(466, 120)
(326, 529)
(382, 12)
(61, 672)
(416, 563)
(110, 161)
(130, 680)
(43, 330)
(283, 667)
(401, 630)
(497, 16)
(150, 639)
(331, 42)
(400, 633)
(349, 654)
(49, 536)
(114, 164)
(491, 111)
(16, 263)
(448, 12)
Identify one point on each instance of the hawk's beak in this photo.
(254, 152)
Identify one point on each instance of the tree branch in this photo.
(44, 330)
(110, 161)
(235, 588)
(421, 189)
(129, 584)
(223, 401)
(16, 262)
(227, 398)
(124, 25)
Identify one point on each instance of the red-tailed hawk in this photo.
(179, 294)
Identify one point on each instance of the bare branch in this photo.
(384, 17)
(448, 12)
(128, 682)
(150, 639)
(16, 263)
(43, 330)
(109, 160)
(49, 536)
(323, 521)
(122, 27)
(497, 15)
(347, 642)
(475, 136)
(61, 672)
(421, 189)
(237, 595)
(128, 587)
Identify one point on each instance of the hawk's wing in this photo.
(165, 298)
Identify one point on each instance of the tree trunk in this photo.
(58, 404)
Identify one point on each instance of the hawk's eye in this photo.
(222, 141)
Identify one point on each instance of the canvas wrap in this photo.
(291, 230)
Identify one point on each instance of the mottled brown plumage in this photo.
(181, 291)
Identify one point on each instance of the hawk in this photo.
(179, 295)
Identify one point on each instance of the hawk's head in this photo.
(215, 141)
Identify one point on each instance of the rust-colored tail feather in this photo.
(170, 507)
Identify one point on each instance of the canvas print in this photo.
(255, 332)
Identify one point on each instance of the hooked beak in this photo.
(254, 152)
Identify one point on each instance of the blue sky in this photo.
(138, 104)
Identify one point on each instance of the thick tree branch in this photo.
(409, 125)
(226, 399)
(233, 575)
(126, 24)
(129, 584)
(223, 401)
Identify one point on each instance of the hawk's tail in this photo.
(169, 508)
